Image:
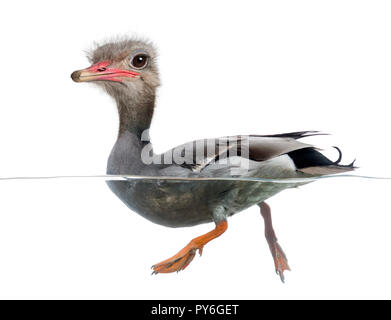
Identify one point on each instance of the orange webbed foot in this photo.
(178, 262)
(280, 261)
(279, 257)
(183, 258)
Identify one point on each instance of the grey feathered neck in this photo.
(135, 112)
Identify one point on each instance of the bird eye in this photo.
(139, 61)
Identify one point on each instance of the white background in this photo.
(227, 68)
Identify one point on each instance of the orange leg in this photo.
(280, 260)
(183, 258)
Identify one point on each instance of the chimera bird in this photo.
(127, 70)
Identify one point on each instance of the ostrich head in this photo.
(127, 71)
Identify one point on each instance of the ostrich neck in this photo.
(135, 116)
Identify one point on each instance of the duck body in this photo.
(181, 203)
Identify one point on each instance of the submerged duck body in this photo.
(127, 70)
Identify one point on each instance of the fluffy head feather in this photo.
(135, 96)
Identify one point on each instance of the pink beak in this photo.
(100, 71)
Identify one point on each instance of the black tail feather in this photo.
(339, 155)
(309, 157)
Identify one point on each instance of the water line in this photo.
(173, 178)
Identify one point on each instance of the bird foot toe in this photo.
(177, 263)
(280, 262)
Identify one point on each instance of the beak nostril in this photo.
(102, 69)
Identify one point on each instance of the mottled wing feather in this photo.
(197, 155)
(265, 148)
